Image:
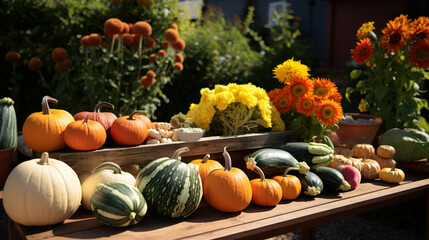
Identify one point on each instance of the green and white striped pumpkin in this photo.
(118, 204)
(8, 128)
(171, 188)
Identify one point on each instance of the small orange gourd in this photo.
(385, 162)
(290, 184)
(228, 189)
(206, 166)
(85, 135)
(363, 150)
(386, 151)
(370, 169)
(128, 130)
(265, 192)
(44, 131)
(392, 175)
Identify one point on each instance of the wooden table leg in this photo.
(308, 233)
(427, 216)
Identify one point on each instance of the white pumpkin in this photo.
(41, 192)
(107, 172)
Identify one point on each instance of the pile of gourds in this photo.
(55, 129)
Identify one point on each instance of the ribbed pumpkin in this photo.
(290, 184)
(129, 130)
(41, 192)
(105, 118)
(363, 150)
(107, 172)
(44, 131)
(8, 128)
(228, 189)
(370, 169)
(392, 175)
(118, 204)
(342, 160)
(385, 162)
(146, 120)
(171, 188)
(84, 135)
(386, 151)
(206, 166)
(265, 192)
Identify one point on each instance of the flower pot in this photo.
(6, 156)
(350, 133)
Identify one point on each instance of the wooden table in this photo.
(254, 222)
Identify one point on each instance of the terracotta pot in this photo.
(355, 133)
(6, 156)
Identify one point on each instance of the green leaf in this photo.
(380, 91)
(423, 124)
(355, 74)
(416, 76)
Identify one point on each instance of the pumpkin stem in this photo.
(132, 216)
(136, 112)
(288, 170)
(45, 104)
(44, 159)
(108, 165)
(100, 105)
(259, 171)
(228, 162)
(206, 158)
(86, 119)
(7, 101)
(179, 151)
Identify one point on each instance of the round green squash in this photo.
(8, 128)
(171, 188)
(118, 204)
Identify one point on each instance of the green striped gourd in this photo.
(171, 188)
(8, 128)
(118, 204)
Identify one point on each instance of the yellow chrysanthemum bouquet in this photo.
(235, 109)
(309, 106)
(391, 68)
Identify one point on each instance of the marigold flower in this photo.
(153, 57)
(179, 44)
(35, 64)
(12, 57)
(59, 54)
(396, 33)
(299, 86)
(126, 28)
(363, 50)
(130, 26)
(142, 28)
(363, 106)
(113, 26)
(84, 41)
(94, 39)
(329, 112)
(419, 28)
(150, 42)
(306, 104)
(164, 44)
(178, 58)
(150, 74)
(61, 67)
(147, 82)
(419, 54)
(171, 35)
(364, 30)
(174, 26)
(128, 39)
(162, 53)
(288, 69)
(178, 66)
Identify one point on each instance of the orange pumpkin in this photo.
(128, 130)
(146, 121)
(386, 151)
(370, 169)
(228, 189)
(84, 135)
(363, 150)
(290, 184)
(385, 162)
(265, 192)
(44, 131)
(206, 166)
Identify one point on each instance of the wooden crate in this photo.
(239, 145)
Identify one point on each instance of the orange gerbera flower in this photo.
(306, 104)
(282, 99)
(299, 86)
(419, 54)
(396, 33)
(419, 28)
(329, 112)
(323, 88)
(363, 50)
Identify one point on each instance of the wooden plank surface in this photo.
(254, 221)
(142, 154)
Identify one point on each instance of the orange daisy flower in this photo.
(396, 33)
(273, 93)
(336, 96)
(323, 88)
(283, 100)
(329, 112)
(419, 28)
(419, 54)
(306, 104)
(363, 50)
(299, 86)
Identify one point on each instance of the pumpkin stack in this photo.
(370, 167)
(385, 154)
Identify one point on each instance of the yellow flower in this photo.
(364, 30)
(277, 121)
(207, 95)
(289, 69)
(265, 108)
(202, 114)
(363, 106)
(223, 99)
